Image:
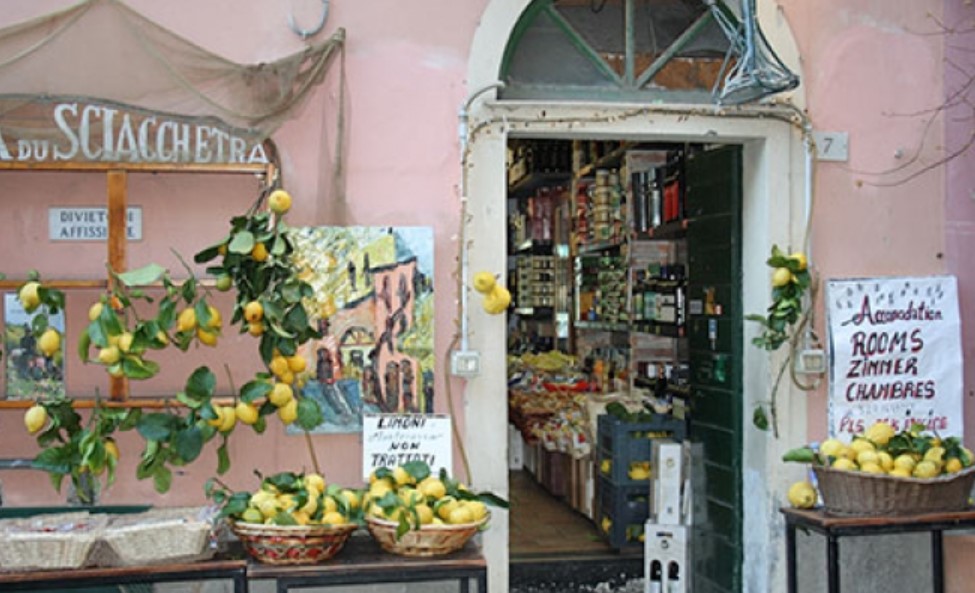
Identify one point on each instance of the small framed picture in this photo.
(30, 373)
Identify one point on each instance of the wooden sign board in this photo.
(895, 346)
(389, 440)
(36, 130)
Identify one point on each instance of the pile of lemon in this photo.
(295, 499)
(412, 496)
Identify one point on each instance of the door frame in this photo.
(773, 212)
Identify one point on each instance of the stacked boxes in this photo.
(624, 468)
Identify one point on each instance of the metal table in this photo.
(362, 561)
(235, 570)
(833, 528)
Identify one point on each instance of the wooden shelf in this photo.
(669, 231)
(527, 185)
(602, 326)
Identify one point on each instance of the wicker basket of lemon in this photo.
(885, 472)
(411, 512)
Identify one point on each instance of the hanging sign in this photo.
(389, 440)
(45, 130)
(895, 354)
(90, 224)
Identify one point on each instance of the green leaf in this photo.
(309, 414)
(167, 314)
(142, 276)
(131, 419)
(418, 469)
(208, 253)
(254, 390)
(201, 383)
(84, 345)
(136, 367)
(188, 443)
(279, 246)
(39, 324)
(54, 460)
(157, 426)
(162, 479)
(242, 243)
(188, 290)
(283, 518)
(759, 418)
(223, 458)
(492, 499)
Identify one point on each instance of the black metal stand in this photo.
(833, 528)
(235, 570)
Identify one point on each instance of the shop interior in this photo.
(604, 322)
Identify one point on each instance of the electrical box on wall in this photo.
(466, 363)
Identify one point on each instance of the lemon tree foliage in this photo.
(255, 258)
(790, 280)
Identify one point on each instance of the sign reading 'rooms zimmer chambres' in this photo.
(895, 354)
(43, 130)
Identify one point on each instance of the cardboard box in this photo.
(665, 504)
(666, 558)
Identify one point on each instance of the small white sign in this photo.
(832, 146)
(895, 354)
(90, 224)
(389, 440)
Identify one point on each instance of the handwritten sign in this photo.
(389, 440)
(60, 130)
(90, 224)
(896, 354)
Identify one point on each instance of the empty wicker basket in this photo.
(850, 493)
(292, 544)
(429, 540)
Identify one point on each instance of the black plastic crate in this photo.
(622, 512)
(623, 444)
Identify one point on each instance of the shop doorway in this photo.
(604, 238)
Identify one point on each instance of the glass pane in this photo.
(696, 64)
(658, 23)
(545, 55)
(601, 24)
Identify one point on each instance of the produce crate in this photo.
(625, 443)
(622, 512)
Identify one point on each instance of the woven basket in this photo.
(49, 542)
(292, 544)
(157, 536)
(429, 540)
(850, 493)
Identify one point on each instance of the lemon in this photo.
(844, 464)
(925, 469)
(905, 462)
(311, 505)
(859, 445)
(781, 277)
(206, 338)
(253, 311)
(315, 481)
(186, 320)
(218, 421)
(334, 518)
(433, 488)
(227, 419)
(281, 394)
(885, 460)
(867, 456)
(606, 466)
(831, 447)
(351, 498)
(95, 311)
(402, 477)
(880, 433)
(329, 504)
(109, 355)
(297, 363)
(259, 252)
(871, 467)
(606, 524)
(900, 472)
(278, 365)
(953, 466)
(301, 517)
(288, 413)
(478, 509)
(444, 507)
(801, 262)
(255, 328)
(802, 495)
(252, 515)
(460, 514)
(424, 513)
(935, 454)
(111, 448)
(49, 342)
(29, 296)
(125, 341)
(246, 413)
(497, 300)
(410, 496)
(224, 282)
(216, 321)
(35, 418)
(279, 201)
(379, 488)
(967, 458)
(268, 507)
(484, 282)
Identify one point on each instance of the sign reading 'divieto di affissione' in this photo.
(42, 131)
(895, 354)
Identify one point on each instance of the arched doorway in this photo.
(771, 212)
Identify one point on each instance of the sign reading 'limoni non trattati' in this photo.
(45, 130)
(389, 440)
(895, 347)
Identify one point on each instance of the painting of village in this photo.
(29, 373)
(374, 306)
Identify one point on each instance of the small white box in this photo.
(666, 507)
(667, 561)
(516, 449)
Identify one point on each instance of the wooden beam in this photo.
(117, 182)
(256, 168)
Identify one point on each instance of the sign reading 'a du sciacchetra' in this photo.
(895, 354)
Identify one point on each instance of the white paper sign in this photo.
(389, 440)
(90, 224)
(895, 354)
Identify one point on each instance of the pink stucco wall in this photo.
(405, 80)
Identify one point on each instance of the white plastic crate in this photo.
(666, 547)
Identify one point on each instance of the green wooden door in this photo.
(713, 204)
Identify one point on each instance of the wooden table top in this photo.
(817, 517)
